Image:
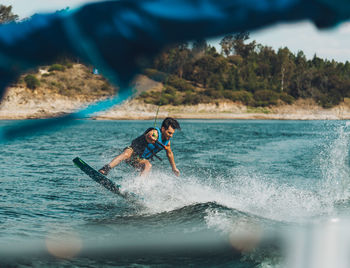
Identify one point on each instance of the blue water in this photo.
(234, 174)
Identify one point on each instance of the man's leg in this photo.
(126, 154)
(145, 167)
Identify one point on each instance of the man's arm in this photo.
(170, 155)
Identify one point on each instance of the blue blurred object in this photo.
(95, 71)
(118, 36)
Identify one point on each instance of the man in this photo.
(146, 146)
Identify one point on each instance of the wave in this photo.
(251, 194)
(190, 213)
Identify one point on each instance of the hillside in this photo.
(64, 90)
(58, 92)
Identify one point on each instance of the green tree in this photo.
(208, 65)
(296, 84)
(31, 81)
(214, 82)
(317, 62)
(265, 97)
(56, 67)
(240, 48)
(211, 51)
(227, 43)
(285, 69)
(177, 58)
(199, 47)
(6, 14)
(231, 80)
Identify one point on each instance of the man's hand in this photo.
(176, 172)
(152, 136)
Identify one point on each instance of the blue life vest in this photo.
(153, 149)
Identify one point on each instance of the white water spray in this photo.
(335, 168)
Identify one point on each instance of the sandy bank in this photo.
(301, 110)
(136, 110)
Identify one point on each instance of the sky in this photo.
(326, 44)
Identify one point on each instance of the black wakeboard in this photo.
(103, 180)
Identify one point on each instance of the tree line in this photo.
(243, 71)
(247, 72)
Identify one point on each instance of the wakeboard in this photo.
(103, 180)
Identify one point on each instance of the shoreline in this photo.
(137, 110)
(301, 110)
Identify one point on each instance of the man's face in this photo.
(167, 133)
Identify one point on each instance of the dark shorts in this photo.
(134, 160)
(138, 146)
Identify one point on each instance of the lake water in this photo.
(238, 178)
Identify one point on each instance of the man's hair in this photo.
(171, 122)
